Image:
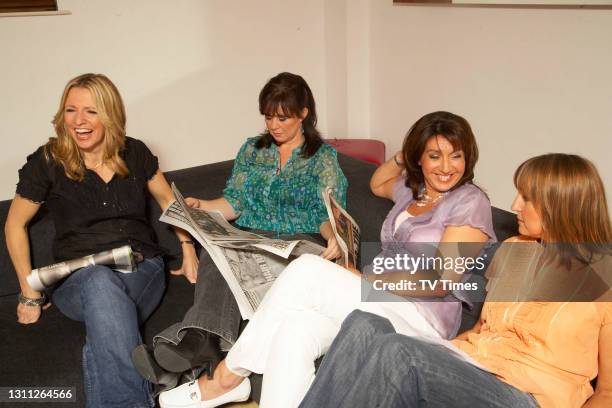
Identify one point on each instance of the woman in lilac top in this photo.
(436, 208)
(465, 208)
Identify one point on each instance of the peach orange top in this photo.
(548, 349)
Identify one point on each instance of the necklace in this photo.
(96, 166)
(424, 199)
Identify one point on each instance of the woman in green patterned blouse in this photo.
(275, 189)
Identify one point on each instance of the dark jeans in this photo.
(214, 308)
(112, 305)
(369, 365)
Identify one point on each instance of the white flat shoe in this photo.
(188, 396)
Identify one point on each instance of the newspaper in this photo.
(250, 263)
(346, 230)
(121, 259)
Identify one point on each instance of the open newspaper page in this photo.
(250, 263)
(249, 274)
(211, 227)
(346, 230)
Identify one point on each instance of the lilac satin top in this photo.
(466, 205)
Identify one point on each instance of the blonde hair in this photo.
(111, 112)
(569, 195)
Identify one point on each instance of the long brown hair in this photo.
(454, 128)
(569, 195)
(111, 111)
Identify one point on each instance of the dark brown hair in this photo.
(290, 94)
(454, 128)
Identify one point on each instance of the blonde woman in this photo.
(94, 181)
(546, 327)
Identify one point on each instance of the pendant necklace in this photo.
(424, 199)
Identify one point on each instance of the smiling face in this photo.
(529, 220)
(442, 165)
(285, 129)
(82, 121)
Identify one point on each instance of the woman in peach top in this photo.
(545, 331)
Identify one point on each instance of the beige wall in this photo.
(529, 81)
(190, 71)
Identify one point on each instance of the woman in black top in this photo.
(94, 181)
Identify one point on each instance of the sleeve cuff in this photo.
(31, 193)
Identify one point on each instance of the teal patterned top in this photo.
(289, 202)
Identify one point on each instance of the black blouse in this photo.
(90, 215)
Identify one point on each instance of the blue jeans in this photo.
(369, 365)
(112, 305)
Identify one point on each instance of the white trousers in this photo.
(297, 322)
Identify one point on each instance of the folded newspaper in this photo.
(346, 230)
(121, 259)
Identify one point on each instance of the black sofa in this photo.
(48, 353)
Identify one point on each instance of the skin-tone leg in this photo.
(223, 381)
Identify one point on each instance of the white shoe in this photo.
(188, 396)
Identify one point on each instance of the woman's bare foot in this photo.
(223, 381)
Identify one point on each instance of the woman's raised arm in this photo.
(386, 174)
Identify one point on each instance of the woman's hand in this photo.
(189, 267)
(161, 191)
(218, 204)
(192, 202)
(333, 249)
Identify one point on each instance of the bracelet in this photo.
(24, 300)
(399, 164)
(187, 241)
